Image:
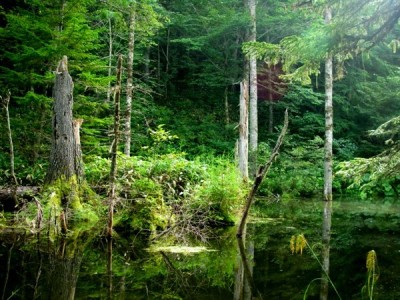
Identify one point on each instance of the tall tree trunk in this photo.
(129, 81)
(110, 50)
(6, 102)
(243, 150)
(328, 119)
(63, 155)
(113, 171)
(253, 111)
(270, 103)
(328, 161)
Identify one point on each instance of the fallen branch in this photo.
(7, 195)
(262, 172)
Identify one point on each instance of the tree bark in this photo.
(262, 172)
(6, 102)
(113, 171)
(110, 52)
(243, 131)
(129, 81)
(63, 155)
(65, 165)
(226, 104)
(253, 110)
(328, 177)
(270, 103)
(328, 119)
(76, 124)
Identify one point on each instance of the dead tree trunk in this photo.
(243, 151)
(65, 168)
(63, 155)
(76, 124)
(129, 81)
(253, 107)
(113, 171)
(262, 172)
(6, 102)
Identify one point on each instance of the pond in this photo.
(89, 267)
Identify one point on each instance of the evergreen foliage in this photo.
(189, 59)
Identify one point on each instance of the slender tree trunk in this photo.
(113, 171)
(270, 104)
(129, 81)
(76, 124)
(327, 164)
(328, 119)
(243, 131)
(110, 53)
(226, 102)
(6, 102)
(253, 111)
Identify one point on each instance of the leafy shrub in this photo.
(159, 190)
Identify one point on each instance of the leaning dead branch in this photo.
(262, 172)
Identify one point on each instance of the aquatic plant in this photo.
(372, 275)
(297, 244)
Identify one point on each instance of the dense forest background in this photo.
(188, 61)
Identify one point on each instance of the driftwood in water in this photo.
(262, 172)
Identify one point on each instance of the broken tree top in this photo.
(63, 65)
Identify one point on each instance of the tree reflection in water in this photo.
(245, 288)
(326, 237)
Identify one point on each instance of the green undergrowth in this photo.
(169, 191)
(81, 206)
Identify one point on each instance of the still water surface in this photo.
(133, 268)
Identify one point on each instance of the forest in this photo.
(167, 117)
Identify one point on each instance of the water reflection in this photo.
(65, 261)
(223, 268)
(326, 238)
(109, 268)
(245, 288)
